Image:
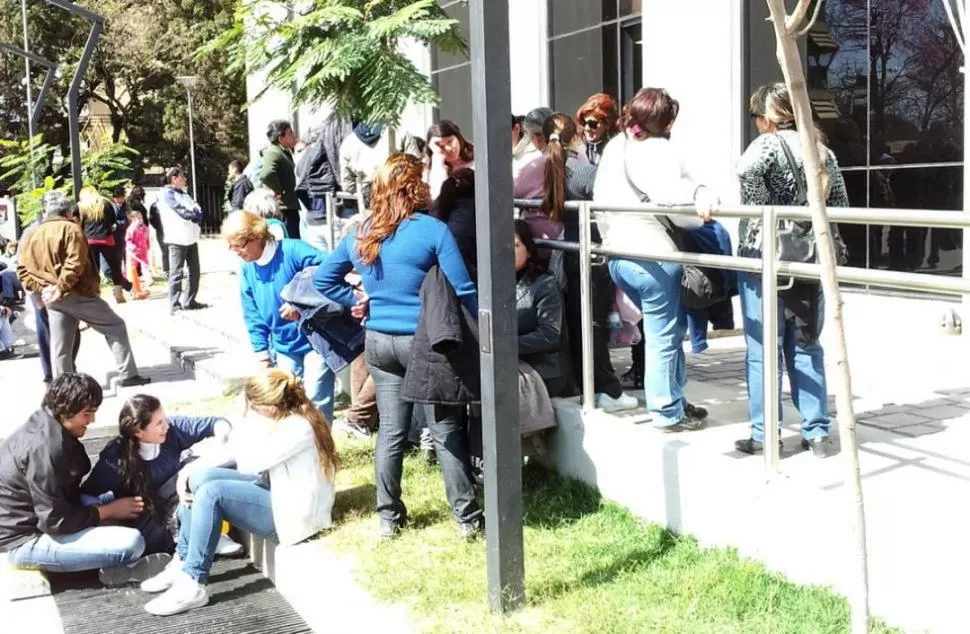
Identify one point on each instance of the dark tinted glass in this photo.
(581, 65)
(444, 60)
(455, 88)
(630, 7)
(631, 60)
(566, 16)
(917, 248)
(916, 88)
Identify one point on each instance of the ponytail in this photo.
(560, 133)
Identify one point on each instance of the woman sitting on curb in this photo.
(283, 489)
(145, 459)
(43, 523)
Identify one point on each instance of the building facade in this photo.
(884, 77)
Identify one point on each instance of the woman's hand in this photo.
(362, 308)
(706, 203)
(122, 509)
(289, 312)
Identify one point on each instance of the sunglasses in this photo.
(592, 123)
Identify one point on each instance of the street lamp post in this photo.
(189, 82)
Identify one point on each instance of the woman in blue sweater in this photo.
(269, 265)
(144, 461)
(393, 250)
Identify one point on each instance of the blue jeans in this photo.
(89, 549)
(220, 494)
(805, 366)
(387, 358)
(10, 286)
(697, 325)
(655, 287)
(317, 378)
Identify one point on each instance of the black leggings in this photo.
(112, 256)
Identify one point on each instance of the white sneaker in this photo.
(227, 546)
(164, 580)
(136, 572)
(622, 403)
(185, 594)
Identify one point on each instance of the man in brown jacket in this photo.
(54, 262)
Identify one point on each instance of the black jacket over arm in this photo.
(41, 467)
(444, 367)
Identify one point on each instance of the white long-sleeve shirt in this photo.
(657, 169)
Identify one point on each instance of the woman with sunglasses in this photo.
(269, 264)
(597, 118)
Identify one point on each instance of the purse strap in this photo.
(664, 221)
(801, 187)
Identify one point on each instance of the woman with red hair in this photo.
(597, 118)
(393, 249)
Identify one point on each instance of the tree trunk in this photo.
(790, 60)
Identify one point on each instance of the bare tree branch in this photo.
(811, 23)
(794, 21)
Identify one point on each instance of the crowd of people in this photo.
(396, 300)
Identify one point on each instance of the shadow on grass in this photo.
(353, 502)
(551, 501)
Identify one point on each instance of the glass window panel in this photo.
(581, 65)
(455, 88)
(630, 7)
(440, 59)
(631, 60)
(920, 249)
(837, 63)
(916, 86)
(566, 16)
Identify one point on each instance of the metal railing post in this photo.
(769, 339)
(586, 301)
(329, 206)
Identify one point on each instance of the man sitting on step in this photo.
(43, 523)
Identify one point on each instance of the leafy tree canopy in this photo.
(343, 52)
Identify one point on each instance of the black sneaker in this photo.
(687, 423)
(821, 447)
(134, 381)
(195, 306)
(695, 411)
(753, 447)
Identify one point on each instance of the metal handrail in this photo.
(767, 265)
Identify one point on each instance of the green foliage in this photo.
(109, 167)
(24, 164)
(345, 52)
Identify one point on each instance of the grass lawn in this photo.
(591, 566)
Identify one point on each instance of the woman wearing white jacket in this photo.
(637, 166)
(282, 488)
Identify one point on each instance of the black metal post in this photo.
(73, 112)
(51, 67)
(491, 105)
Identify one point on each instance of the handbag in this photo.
(795, 238)
(700, 286)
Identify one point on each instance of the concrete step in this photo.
(19, 584)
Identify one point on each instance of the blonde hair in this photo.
(243, 226)
(279, 394)
(263, 202)
(91, 204)
(774, 103)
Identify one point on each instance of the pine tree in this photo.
(343, 52)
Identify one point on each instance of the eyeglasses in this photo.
(592, 123)
(755, 115)
(236, 246)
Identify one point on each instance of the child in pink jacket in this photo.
(136, 247)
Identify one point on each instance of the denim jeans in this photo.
(317, 378)
(89, 549)
(217, 495)
(387, 358)
(655, 287)
(697, 326)
(10, 287)
(805, 366)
